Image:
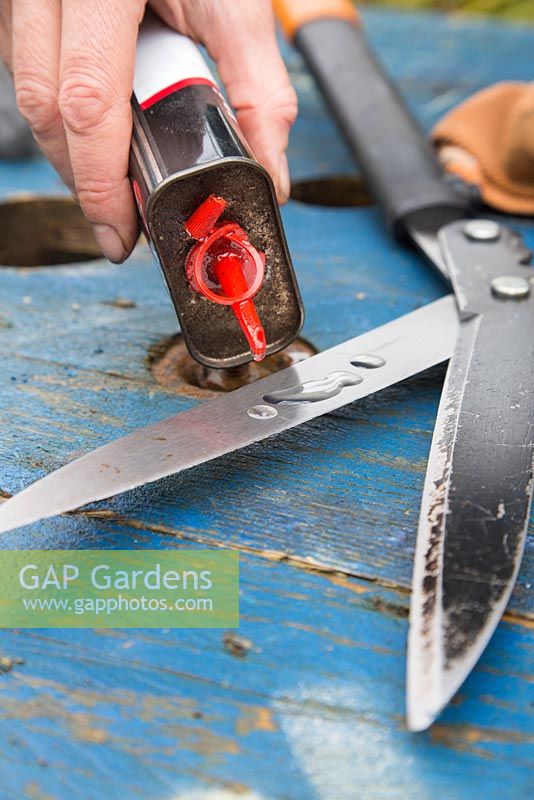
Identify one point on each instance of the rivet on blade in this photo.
(510, 287)
(482, 230)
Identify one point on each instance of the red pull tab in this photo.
(201, 221)
(225, 268)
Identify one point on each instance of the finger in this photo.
(36, 43)
(5, 32)
(96, 74)
(257, 83)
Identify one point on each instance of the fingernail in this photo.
(110, 242)
(284, 181)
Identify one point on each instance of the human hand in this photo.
(73, 62)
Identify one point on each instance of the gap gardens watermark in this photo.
(119, 588)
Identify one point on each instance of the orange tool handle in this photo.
(293, 14)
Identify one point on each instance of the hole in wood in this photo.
(333, 190)
(44, 231)
(173, 367)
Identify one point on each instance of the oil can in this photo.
(187, 148)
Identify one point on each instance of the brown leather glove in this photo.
(488, 141)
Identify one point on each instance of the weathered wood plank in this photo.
(79, 378)
(315, 708)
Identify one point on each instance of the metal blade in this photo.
(478, 488)
(423, 227)
(332, 379)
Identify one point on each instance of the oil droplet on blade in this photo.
(262, 412)
(368, 362)
(315, 391)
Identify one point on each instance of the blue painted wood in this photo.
(313, 710)
(438, 61)
(324, 519)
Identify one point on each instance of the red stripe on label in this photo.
(175, 87)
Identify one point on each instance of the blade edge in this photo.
(485, 479)
(410, 331)
(424, 694)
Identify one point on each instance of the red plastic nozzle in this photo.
(225, 268)
(248, 319)
(230, 274)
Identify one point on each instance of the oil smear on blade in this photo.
(208, 209)
(330, 386)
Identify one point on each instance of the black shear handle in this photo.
(394, 155)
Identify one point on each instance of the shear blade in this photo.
(478, 488)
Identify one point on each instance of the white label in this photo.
(163, 59)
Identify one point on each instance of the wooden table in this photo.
(323, 518)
